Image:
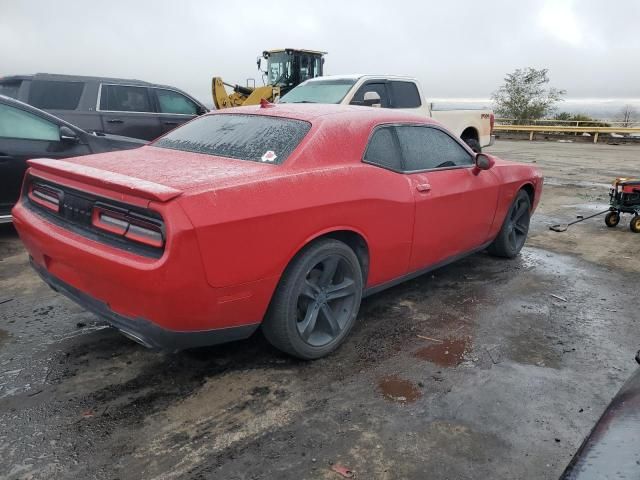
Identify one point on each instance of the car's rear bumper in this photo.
(144, 331)
(162, 302)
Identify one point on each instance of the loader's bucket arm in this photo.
(241, 95)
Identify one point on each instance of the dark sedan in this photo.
(26, 132)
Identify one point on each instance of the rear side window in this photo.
(404, 95)
(16, 123)
(383, 149)
(55, 95)
(124, 98)
(426, 148)
(244, 137)
(176, 103)
(10, 88)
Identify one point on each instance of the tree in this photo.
(584, 120)
(526, 95)
(627, 116)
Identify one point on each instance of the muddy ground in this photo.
(484, 369)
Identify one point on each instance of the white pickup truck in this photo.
(404, 93)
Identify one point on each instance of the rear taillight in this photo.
(135, 227)
(46, 197)
(492, 121)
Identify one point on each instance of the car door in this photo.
(24, 135)
(455, 203)
(128, 110)
(174, 108)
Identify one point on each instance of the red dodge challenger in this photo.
(279, 216)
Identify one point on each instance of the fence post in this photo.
(595, 138)
(531, 136)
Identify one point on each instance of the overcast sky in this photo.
(456, 48)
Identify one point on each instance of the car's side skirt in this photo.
(409, 276)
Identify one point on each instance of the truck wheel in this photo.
(612, 219)
(474, 144)
(634, 225)
(515, 228)
(316, 302)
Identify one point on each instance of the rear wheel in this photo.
(316, 302)
(634, 225)
(612, 219)
(474, 144)
(515, 228)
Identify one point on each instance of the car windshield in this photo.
(257, 138)
(319, 91)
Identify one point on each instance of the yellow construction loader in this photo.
(286, 68)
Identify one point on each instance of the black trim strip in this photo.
(144, 331)
(409, 276)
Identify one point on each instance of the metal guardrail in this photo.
(577, 123)
(532, 129)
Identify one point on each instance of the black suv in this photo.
(106, 105)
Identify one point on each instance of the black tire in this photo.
(634, 224)
(311, 311)
(473, 144)
(612, 219)
(515, 228)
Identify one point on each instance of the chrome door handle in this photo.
(423, 187)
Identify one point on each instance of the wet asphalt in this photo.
(487, 368)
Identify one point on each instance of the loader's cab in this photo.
(288, 67)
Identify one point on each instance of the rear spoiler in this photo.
(103, 178)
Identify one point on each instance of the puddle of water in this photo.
(399, 390)
(449, 353)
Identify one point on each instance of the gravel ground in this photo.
(486, 368)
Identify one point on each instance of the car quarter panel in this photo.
(252, 231)
(514, 177)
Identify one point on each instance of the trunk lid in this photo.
(154, 173)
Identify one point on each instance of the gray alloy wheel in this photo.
(316, 302)
(515, 228)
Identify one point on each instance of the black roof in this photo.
(81, 78)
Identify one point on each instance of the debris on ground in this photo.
(559, 297)
(429, 338)
(345, 472)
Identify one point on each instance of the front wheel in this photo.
(473, 144)
(316, 302)
(515, 228)
(634, 225)
(612, 219)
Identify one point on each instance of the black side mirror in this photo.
(483, 162)
(67, 135)
(201, 110)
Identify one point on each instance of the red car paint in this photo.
(232, 226)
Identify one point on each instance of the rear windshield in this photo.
(256, 138)
(55, 95)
